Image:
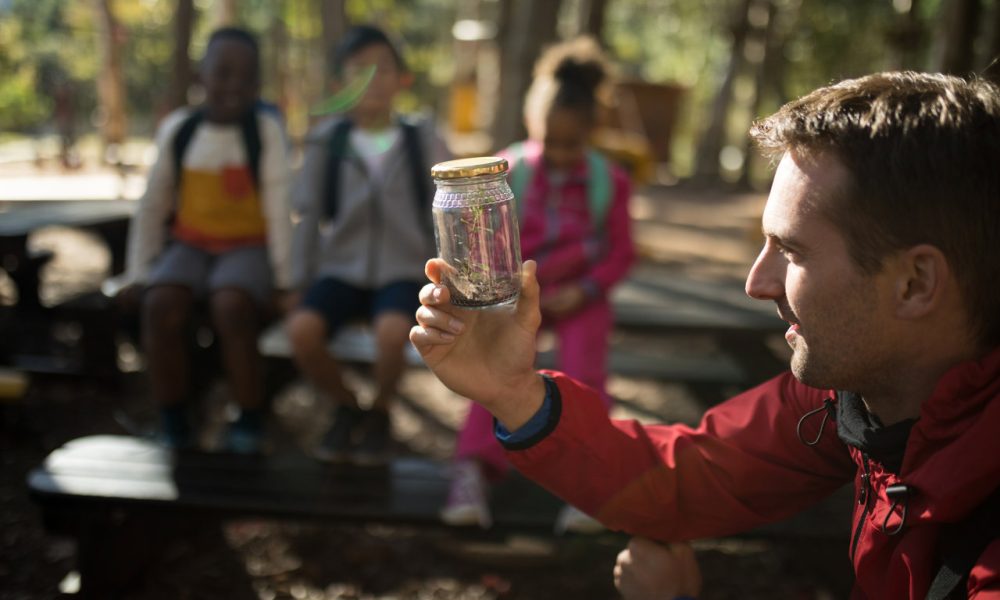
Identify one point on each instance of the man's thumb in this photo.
(527, 305)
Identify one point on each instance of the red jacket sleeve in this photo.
(984, 579)
(741, 467)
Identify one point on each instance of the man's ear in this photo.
(922, 275)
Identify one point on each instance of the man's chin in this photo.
(804, 371)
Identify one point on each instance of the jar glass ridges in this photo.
(475, 225)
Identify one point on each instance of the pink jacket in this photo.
(558, 232)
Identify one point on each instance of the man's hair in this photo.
(357, 39)
(235, 34)
(923, 152)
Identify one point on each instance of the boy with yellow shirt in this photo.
(214, 226)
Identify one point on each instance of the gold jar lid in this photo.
(469, 167)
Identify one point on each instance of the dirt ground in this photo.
(299, 560)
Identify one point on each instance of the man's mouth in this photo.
(784, 313)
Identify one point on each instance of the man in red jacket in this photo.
(881, 254)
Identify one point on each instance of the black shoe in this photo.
(246, 434)
(373, 444)
(174, 432)
(337, 442)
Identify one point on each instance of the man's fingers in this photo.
(424, 339)
(436, 268)
(687, 568)
(527, 305)
(434, 294)
(641, 546)
(432, 318)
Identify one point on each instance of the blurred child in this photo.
(365, 230)
(573, 215)
(214, 225)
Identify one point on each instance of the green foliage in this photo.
(43, 42)
(24, 103)
(21, 107)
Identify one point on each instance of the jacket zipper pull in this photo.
(865, 481)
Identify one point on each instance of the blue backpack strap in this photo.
(182, 139)
(336, 151)
(521, 173)
(419, 172)
(250, 132)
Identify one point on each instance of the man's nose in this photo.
(766, 280)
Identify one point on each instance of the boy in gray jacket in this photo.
(365, 230)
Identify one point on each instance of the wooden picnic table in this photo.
(19, 219)
(121, 498)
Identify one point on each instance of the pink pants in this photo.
(582, 353)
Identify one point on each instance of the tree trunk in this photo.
(110, 80)
(525, 27)
(592, 20)
(712, 141)
(226, 13)
(992, 71)
(959, 25)
(764, 65)
(276, 65)
(181, 76)
(334, 16)
(906, 38)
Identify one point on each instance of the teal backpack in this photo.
(599, 184)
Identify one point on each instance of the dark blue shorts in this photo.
(340, 303)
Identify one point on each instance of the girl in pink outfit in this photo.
(574, 221)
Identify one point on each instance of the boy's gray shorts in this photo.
(246, 269)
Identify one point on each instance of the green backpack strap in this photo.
(521, 173)
(599, 184)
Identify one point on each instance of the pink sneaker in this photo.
(467, 503)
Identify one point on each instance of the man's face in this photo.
(838, 316)
(229, 74)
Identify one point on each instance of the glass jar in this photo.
(475, 225)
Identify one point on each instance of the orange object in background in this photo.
(463, 107)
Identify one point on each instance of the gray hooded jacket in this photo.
(377, 235)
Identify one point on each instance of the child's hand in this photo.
(564, 301)
(648, 570)
(485, 355)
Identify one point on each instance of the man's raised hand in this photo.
(485, 355)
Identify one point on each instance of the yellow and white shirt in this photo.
(217, 206)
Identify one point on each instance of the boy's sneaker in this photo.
(245, 435)
(373, 442)
(467, 497)
(573, 520)
(337, 443)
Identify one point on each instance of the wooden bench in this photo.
(28, 324)
(647, 303)
(117, 496)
